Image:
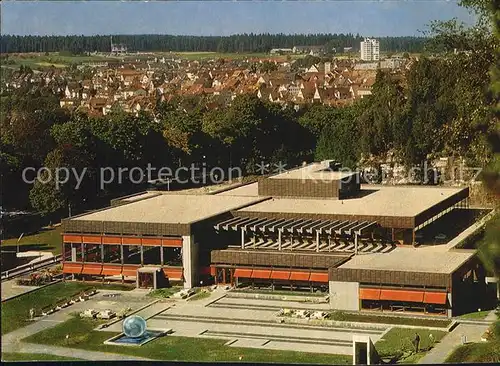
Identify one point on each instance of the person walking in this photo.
(416, 342)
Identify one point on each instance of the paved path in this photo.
(11, 342)
(492, 316)
(10, 289)
(73, 352)
(452, 340)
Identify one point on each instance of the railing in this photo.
(30, 267)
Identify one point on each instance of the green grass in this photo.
(172, 348)
(45, 240)
(476, 353)
(232, 56)
(111, 286)
(15, 312)
(12, 356)
(483, 352)
(199, 296)
(397, 342)
(164, 292)
(477, 315)
(35, 61)
(396, 320)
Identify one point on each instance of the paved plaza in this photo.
(252, 323)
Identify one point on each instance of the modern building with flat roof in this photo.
(310, 228)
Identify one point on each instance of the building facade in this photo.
(370, 49)
(311, 228)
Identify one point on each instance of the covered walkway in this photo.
(301, 234)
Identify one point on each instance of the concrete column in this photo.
(279, 239)
(317, 241)
(73, 253)
(142, 255)
(189, 261)
(102, 253)
(83, 252)
(161, 255)
(121, 255)
(449, 312)
(355, 243)
(242, 238)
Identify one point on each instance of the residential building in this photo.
(370, 49)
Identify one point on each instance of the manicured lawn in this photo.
(45, 240)
(164, 292)
(11, 356)
(476, 353)
(199, 296)
(111, 286)
(477, 315)
(482, 352)
(397, 343)
(172, 348)
(15, 312)
(396, 320)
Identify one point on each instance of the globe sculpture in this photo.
(134, 326)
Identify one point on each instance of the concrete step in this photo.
(221, 320)
(221, 304)
(286, 339)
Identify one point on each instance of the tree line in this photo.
(242, 43)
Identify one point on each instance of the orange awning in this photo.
(113, 240)
(111, 270)
(261, 273)
(173, 273)
(318, 277)
(435, 298)
(92, 239)
(73, 268)
(280, 275)
(92, 269)
(243, 272)
(171, 242)
(299, 276)
(154, 242)
(402, 295)
(72, 238)
(132, 240)
(369, 294)
(130, 271)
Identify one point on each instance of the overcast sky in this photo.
(368, 18)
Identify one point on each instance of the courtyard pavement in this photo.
(11, 342)
(452, 340)
(10, 289)
(253, 323)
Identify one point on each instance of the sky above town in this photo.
(368, 18)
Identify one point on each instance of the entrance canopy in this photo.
(299, 226)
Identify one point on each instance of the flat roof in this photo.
(170, 208)
(251, 190)
(140, 196)
(316, 171)
(410, 260)
(397, 201)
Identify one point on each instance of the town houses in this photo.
(138, 84)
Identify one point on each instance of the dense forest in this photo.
(242, 43)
